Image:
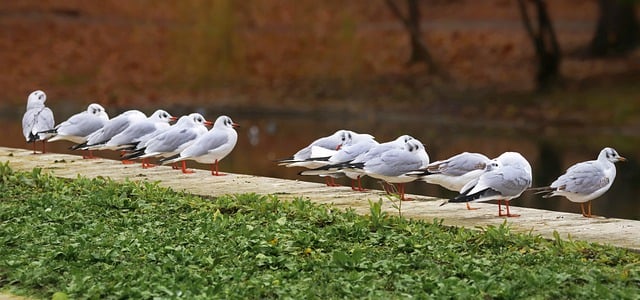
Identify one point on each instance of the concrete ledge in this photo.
(618, 232)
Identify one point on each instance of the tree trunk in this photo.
(419, 51)
(617, 30)
(544, 42)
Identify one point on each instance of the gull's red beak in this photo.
(173, 119)
(235, 125)
(208, 123)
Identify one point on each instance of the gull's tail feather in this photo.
(49, 131)
(540, 190)
(419, 173)
(134, 154)
(488, 192)
(170, 159)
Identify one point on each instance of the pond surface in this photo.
(264, 138)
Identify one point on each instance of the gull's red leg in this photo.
(470, 208)
(217, 166)
(401, 189)
(146, 164)
(184, 168)
(126, 161)
(508, 213)
(89, 155)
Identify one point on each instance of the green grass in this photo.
(95, 238)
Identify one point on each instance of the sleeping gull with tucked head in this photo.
(504, 179)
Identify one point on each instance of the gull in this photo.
(455, 172)
(325, 146)
(587, 180)
(393, 165)
(37, 120)
(159, 120)
(346, 154)
(172, 140)
(505, 178)
(111, 128)
(79, 126)
(210, 147)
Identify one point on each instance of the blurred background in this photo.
(554, 80)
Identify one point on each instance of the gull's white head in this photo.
(492, 165)
(95, 109)
(610, 154)
(36, 99)
(162, 116)
(417, 148)
(358, 138)
(514, 159)
(224, 122)
(345, 136)
(98, 111)
(199, 119)
(404, 139)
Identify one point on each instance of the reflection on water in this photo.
(550, 150)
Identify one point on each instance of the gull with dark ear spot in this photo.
(38, 120)
(210, 147)
(79, 126)
(455, 172)
(504, 179)
(585, 181)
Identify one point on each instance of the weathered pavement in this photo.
(617, 232)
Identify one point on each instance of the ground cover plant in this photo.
(96, 238)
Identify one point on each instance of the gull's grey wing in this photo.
(132, 132)
(459, 164)
(349, 153)
(302, 154)
(110, 129)
(36, 120)
(171, 141)
(582, 178)
(330, 142)
(510, 181)
(28, 121)
(45, 120)
(393, 163)
(205, 143)
(81, 124)
(375, 152)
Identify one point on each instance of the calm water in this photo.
(549, 149)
